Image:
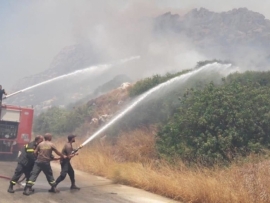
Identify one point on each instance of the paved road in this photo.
(93, 189)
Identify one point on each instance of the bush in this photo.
(150, 82)
(218, 123)
(58, 120)
(203, 63)
(53, 120)
(158, 107)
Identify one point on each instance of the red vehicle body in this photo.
(15, 128)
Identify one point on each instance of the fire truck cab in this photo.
(15, 129)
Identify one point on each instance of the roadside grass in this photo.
(132, 160)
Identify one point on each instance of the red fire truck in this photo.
(15, 129)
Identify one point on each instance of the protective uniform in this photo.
(42, 163)
(25, 164)
(2, 92)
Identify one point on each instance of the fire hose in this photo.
(22, 179)
(7, 178)
(76, 150)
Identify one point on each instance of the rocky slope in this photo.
(231, 34)
(69, 59)
(238, 35)
(64, 92)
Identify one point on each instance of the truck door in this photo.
(9, 123)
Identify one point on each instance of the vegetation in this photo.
(222, 124)
(58, 120)
(132, 160)
(150, 82)
(218, 123)
(203, 63)
(209, 122)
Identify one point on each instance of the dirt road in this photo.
(94, 189)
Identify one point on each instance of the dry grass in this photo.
(131, 160)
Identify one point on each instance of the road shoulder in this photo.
(128, 193)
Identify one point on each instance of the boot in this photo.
(53, 190)
(31, 190)
(27, 190)
(74, 187)
(10, 189)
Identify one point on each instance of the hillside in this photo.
(68, 95)
(225, 35)
(83, 118)
(69, 90)
(239, 35)
(213, 146)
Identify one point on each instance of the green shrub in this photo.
(53, 120)
(58, 120)
(218, 123)
(150, 82)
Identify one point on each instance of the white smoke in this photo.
(33, 32)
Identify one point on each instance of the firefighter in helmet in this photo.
(26, 162)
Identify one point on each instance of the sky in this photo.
(33, 32)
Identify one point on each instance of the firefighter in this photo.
(44, 156)
(2, 92)
(66, 167)
(26, 162)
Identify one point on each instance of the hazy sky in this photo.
(34, 31)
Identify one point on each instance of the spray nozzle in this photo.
(76, 150)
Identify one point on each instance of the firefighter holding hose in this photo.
(2, 92)
(44, 156)
(66, 167)
(26, 162)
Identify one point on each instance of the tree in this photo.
(219, 122)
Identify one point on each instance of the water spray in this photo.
(92, 68)
(181, 78)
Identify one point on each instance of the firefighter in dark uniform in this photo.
(26, 162)
(66, 167)
(44, 156)
(2, 92)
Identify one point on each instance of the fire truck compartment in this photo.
(15, 129)
(8, 130)
(9, 125)
(8, 135)
(10, 115)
